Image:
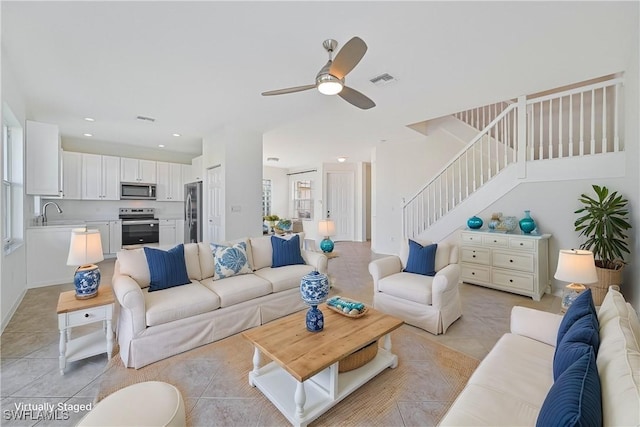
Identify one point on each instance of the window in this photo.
(266, 197)
(6, 184)
(302, 201)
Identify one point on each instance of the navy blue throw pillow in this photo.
(422, 259)
(580, 307)
(579, 339)
(575, 398)
(167, 268)
(286, 251)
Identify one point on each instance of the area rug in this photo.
(213, 380)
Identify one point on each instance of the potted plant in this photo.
(604, 222)
(271, 219)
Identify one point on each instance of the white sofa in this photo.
(155, 325)
(511, 383)
(431, 303)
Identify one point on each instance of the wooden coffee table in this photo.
(302, 380)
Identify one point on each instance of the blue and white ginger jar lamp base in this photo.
(86, 281)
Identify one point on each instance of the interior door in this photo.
(341, 203)
(215, 204)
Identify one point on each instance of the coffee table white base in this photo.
(303, 402)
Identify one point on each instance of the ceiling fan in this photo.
(330, 79)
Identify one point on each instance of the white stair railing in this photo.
(576, 122)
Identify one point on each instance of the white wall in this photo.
(13, 284)
(239, 150)
(280, 190)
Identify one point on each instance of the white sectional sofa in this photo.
(155, 325)
(431, 303)
(510, 385)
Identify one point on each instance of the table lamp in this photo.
(85, 249)
(326, 228)
(578, 267)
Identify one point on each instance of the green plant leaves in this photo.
(603, 222)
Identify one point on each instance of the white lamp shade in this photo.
(85, 247)
(326, 227)
(576, 266)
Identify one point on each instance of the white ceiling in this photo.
(195, 66)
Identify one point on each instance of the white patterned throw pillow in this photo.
(230, 260)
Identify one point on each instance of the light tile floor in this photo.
(29, 345)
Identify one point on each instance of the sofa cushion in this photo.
(167, 268)
(230, 260)
(263, 251)
(618, 361)
(445, 254)
(178, 303)
(286, 251)
(408, 286)
(192, 262)
(133, 263)
(421, 259)
(575, 398)
(580, 307)
(579, 339)
(284, 278)
(237, 289)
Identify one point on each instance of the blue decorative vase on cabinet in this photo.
(474, 223)
(527, 224)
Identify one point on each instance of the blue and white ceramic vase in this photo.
(474, 223)
(527, 224)
(87, 280)
(314, 289)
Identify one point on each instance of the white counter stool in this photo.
(150, 403)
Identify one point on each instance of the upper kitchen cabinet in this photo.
(137, 170)
(170, 183)
(71, 175)
(100, 177)
(43, 159)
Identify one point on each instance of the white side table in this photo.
(74, 312)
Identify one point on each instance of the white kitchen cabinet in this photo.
(179, 231)
(115, 236)
(138, 170)
(43, 158)
(105, 235)
(71, 175)
(47, 252)
(517, 263)
(100, 177)
(187, 174)
(196, 169)
(167, 232)
(170, 183)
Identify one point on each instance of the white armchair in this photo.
(431, 303)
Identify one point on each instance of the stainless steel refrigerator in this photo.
(193, 212)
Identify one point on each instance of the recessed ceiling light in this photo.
(161, 145)
(90, 119)
(342, 159)
(87, 134)
(273, 159)
(176, 134)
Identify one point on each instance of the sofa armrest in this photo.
(535, 324)
(131, 300)
(445, 285)
(383, 267)
(317, 260)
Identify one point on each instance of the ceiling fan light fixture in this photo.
(329, 85)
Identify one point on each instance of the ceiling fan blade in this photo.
(354, 97)
(288, 90)
(348, 57)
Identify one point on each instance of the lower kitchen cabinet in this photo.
(110, 235)
(171, 232)
(47, 252)
(517, 263)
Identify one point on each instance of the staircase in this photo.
(516, 141)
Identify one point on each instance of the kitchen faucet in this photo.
(44, 210)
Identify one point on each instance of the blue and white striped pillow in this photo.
(167, 268)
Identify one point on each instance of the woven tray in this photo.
(358, 358)
(354, 316)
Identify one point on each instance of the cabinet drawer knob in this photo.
(86, 315)
(473, 273)
(521, 244)
(473, 256)
(510, 280)
(510, 260)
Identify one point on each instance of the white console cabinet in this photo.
(517, 263)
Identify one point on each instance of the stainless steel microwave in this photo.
(137, 191)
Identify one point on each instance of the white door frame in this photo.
(345, 227)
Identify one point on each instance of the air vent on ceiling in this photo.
(148, 119)
(383, 79)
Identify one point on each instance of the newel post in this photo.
(522, 137)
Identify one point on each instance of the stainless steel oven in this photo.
(139, 226)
